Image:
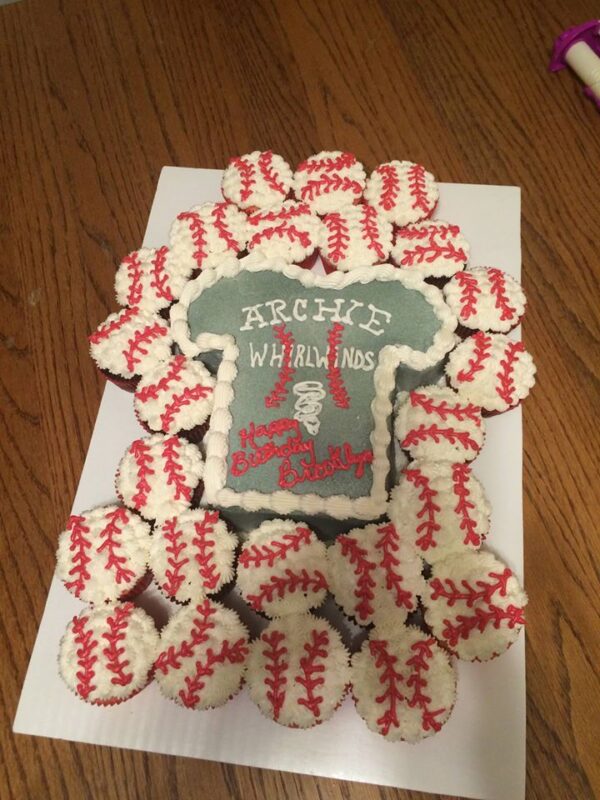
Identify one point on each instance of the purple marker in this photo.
(579, 47)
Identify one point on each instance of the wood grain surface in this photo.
(97, 96)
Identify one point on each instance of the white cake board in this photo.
(480, 753)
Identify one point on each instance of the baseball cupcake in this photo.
(355, 236)
(298, 671)
(404, 684)
(375, 575)
(150, 279)
(257, 180)
(329, 180)
(437, 424)
(128, 343)
(202, 659)
(402, 191)
(192, 555)
(289, 231)
(474, 605)
(440, 508)
(491, 370)
(158, 475)
(431, 249)
(107, 653)
(282, 569)
(485, 299)
(175, 397)
(102, 554)
(206, 235)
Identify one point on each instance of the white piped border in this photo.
(391, 357)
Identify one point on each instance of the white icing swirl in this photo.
(486, 299)
(289, 231)
(329, 180)
(207, 234)
(356, 236)
(257, 180)
(150, 279)
(403, 191)
(434, 249)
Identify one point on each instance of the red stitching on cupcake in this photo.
(312, 672)
(506, 385)
(255, 555)
(429, 526)
(282, 213)
(205, 549)
(428, 231)
(422, 433)
(428, 253)
(337, 388)
(482, 346)
(142, 455)
(461, 474)
(174, 470)
(283, 231)
(276, 667)
(279, 392)
(357, 556)
(371, 231)
(417, 187)
(173, 375)
(111, 534)
(498, 289)
(329, 183)
(338, 236)
(79, 545)
(201, 625)
(105, 330)
(232, 653)
(189, 395)
(391, 679)
(85, 656)
(417, 682)
(115, 636)
(176, 544)
(160, 277)
(265, 165)
(140, 338)
(390, 186)
(388, 544)
(278, 586)
(198, 233)
(443, 410)
(469, 291)
(218, 214)
(134, 274)
(328, 164)
(246, 172)
(481, 618)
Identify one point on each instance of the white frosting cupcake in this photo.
(203, 652)
(192, 555)
(437, 424)
(282, 569)
(107, 653)
(491, 370)
(356, 236)
(329, 180)
(486, 299)
(257, 180)
(150, 279)
(158, 474)
(102, 555)
(403, 683)
(375, 575)
(298, 671)
(433, 249)
(177, 395)
(130, 342)
(208, 234)
(289, 231)
(474, 605)
(402, 191)
(440, 508)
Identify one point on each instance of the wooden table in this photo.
(98, 96)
